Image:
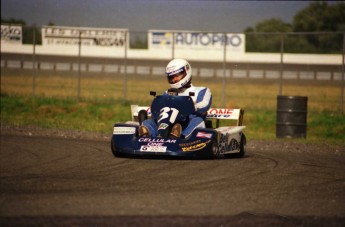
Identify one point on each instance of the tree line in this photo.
(318, 28)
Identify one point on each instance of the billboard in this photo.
(11, 33)
(100, 37)
(196, 40)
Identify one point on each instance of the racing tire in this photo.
(243, 146)
(242, 151)
(215, 149)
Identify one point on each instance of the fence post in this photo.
(224, 69)
(79, 63)
(173, 46)
(125, 68)
(342, 79)
(34, 61)
(281, 63)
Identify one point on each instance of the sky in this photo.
(143, 15)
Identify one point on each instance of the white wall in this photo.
(195, 55)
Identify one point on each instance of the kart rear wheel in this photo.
(243, 145)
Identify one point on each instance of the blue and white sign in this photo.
(197, 40)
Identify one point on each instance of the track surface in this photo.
(56, 181)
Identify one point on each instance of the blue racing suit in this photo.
(202, 101)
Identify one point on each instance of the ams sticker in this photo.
(123, 130)
(146, 148)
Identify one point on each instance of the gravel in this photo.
(287, 145)
(44, 132)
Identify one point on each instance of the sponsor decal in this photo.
(57, 35)
(218, 116)
(150, 140)
(162, 126)
(161, 38)
(123, 130)
(197, 40)
(11, 33)
(190, 143)
(217, 113)
(220, 111)
(227, 143)
(207, 39)
(155, 144)
(175, 72)
(146, 148)
(195, 147)
(204, 135)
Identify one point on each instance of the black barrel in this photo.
(291, 116)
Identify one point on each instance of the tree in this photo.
(270, 25)
(273, 25)
(12, 21)
(317, 17)
(269, 42)
(28, 31)
(322, 17)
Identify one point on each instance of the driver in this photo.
(179, 74)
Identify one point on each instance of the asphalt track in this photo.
(49, 181)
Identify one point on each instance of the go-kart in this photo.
(168, 109)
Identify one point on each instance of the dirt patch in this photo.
(7, 129)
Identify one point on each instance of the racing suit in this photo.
(202, 100)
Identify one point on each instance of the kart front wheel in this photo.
(215, 148)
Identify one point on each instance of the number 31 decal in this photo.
(166, 112)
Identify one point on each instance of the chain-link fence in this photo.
(270, 64)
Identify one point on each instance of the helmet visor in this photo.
(177, 75)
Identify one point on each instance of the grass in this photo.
(102, 103)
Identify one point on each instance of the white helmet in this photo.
(177, 67)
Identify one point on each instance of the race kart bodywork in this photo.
(169, 109)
